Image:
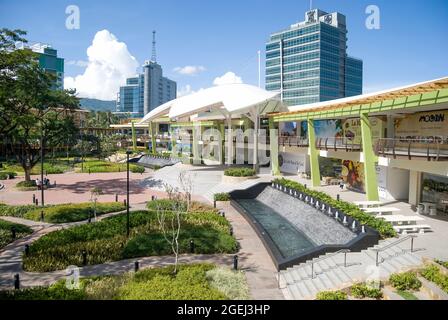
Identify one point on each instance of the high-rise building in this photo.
(308, 62)
(145, 91)
(50, 62)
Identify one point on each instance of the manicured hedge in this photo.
(384, 228)
(6, 234)
(192, 282)
(223, 196)
(4, 175)
(106, 240)
(240, 172)
(26, 185)
(72, 212)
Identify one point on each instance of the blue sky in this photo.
(224, 36)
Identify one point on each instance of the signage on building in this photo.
(292, 162)
(352, 129)
(423, 125)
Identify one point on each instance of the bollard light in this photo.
(116, 197)
(42, 217)
(235, 262)
(338, 197)
(191, 246)
(84, 257)
(16, 281)
(124, 202)
(34, 198)
(136, 266)
(37, 202)
(13, 232)
(27, 249)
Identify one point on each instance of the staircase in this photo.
(297, 283)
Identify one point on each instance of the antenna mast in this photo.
(311, 5)
(153, 56)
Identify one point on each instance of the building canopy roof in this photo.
(229, 99)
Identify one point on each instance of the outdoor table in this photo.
(381, 210)
(368, 204)
(401, 220)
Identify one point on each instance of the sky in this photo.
(201, 43)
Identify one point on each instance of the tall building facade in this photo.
(146, 91)
(308, 62)
(51, 63)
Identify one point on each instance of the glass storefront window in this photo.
(435, 190)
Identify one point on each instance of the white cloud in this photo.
(227, 78)
(78, 63)
(186, 90)
(109, 64)
(189, 70)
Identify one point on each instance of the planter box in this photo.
(229, 179)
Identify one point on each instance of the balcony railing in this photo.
(337, 144)
(293, 141)
(431, 149)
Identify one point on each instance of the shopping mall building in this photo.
(390, 145)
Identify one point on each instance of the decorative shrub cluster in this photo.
(405, 281)
(26, 185)
(434, 274)
(192, 282)
(231, 283)
(331, 295)
(6, 234)
(442, 263)
(15, 211)
(384, 228)
(71, 212)
(4, 175)
(362, 290)
(106, 240)
(240, 172)
(223, 196)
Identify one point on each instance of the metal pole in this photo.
(412, 244)
(345, 259)
(127, 194)
(42, 202)
(377, 254)
(312, 270)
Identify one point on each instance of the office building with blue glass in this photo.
(308, 62)
(146, 91)
(51, 63)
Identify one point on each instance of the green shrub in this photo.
(442, 263)
(231, 283)
(6, 234)
(57, 291)
(16, 211)
(223, 196)
(405, 281)
(331, 295)
(106, 240)
(26, 185)
(7, 175)
(434, 274)
(362, 290)
(64, 213)
(384, 228)
(136, 169)
(240, 172)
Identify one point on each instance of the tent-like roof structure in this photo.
(229, 99)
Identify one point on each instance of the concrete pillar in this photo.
(415, 183)
(370, 159)
(153, 138)
(255, 155)
(390, 127)
(221, 140)
(196, 138)
(314, 155)
(229, 141)
(273, 144)
(134, 137)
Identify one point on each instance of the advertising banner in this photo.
(423, 125)
(292, 162)
(352, 129)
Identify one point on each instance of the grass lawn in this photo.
(61, 213)
(106, 240)
(50, 167)
(192, 282)
(95, 166)
(406, 295)
(6, 234)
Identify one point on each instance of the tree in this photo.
(31, 113)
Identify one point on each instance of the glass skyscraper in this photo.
(51, 63)
(145, 91)
(308, 62)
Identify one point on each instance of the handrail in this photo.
(390, 245)
(345, 251)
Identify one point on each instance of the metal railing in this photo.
(337, 143)
(390, 245)
(432, 148)
(293, 141)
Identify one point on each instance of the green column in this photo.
(222, 132)
(314, 154)
(370, 178)
(153, 138)
(134, 137)
(273, 144)
(173, 142)
(196, 134)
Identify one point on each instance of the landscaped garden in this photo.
(191, 282)
(384, 228)
(95, 166)
(106, 240)
(6, 232)
(61, 213)
(239, 172)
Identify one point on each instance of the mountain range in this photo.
(97, 105)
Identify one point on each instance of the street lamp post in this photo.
(128, 152)
(42, 202)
